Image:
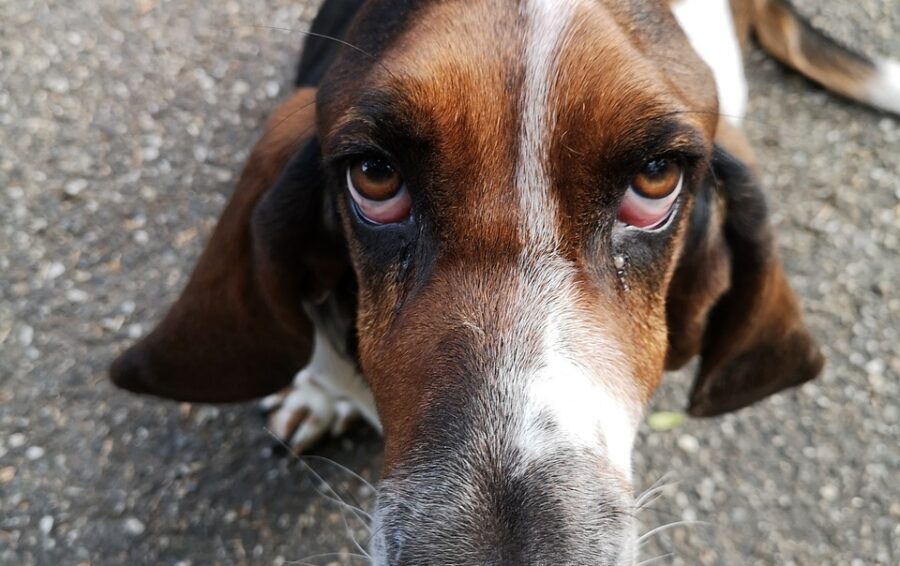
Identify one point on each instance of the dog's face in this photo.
(514, 185)
(541, 212)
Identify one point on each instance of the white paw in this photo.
(306, 411)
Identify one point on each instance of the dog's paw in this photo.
(300, 415)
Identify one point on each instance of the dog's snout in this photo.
(506, 508)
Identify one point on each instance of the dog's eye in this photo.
(378, 190)
(651, 194)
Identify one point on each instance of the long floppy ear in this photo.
(238, 330)
(730, 302)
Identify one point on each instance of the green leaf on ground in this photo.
(665, 420)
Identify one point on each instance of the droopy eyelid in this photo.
(665, 138)
(345, 150)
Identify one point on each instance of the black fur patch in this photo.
(325, 35)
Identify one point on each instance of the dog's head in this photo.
(533, 210)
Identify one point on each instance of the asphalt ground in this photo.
(123, 126)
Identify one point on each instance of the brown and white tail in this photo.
(788, 37)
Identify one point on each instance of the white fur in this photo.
(587, 409)
(338, 374)
(318, 404)
(329, 390)
(594, 411)
(548, 22)
(884, 88)
(709, 26)
(589, 415)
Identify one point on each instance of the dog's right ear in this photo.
(238, 330)
(730, 300)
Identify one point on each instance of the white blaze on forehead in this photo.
(585, 410)
(548, 22)
(709, 26)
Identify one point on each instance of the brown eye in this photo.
(651, 196)
(657, 179)
(378, 191)
(375, 179)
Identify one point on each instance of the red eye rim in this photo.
(647, 213)
(391, 206)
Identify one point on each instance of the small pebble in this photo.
(26, 335)
(7, 474)
(688, 443)
(150, 153)
(875, 367)
(76, 296)
(134, 526)
(829, 492)
(54, 270)
(74, 187)
(34, 453)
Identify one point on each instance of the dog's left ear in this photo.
(239, 329)
(730, 302)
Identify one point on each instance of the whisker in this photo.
(655, 559)
(341, 467)
(352, 535)
(374, 533)
(646, 502)
(303, 561)
(646, 536)
(315, 34)
(663, 478)
(335, 497)
(291, 115)
(658, 511)
(653, 492)
(329, 38)
(651, 496)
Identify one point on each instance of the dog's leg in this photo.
(325, 397)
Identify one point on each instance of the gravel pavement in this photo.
(123, 126)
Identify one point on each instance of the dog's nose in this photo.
(565, 510)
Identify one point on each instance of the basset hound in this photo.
(488, 227)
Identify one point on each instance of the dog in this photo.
(488, 227)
